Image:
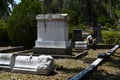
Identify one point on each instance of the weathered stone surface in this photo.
(33, 64)
(90, 39)
(52, 51)
(52, 33)
(6, 60)
(81, 45)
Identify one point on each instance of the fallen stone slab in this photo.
(43, 64)
(7, 61)
(82, 54)
(109, 53)
(113, 50)
(88, 71)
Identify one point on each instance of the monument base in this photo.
(52, 51)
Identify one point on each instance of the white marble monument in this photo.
(34, 64)
(7, 61)
(52, 34)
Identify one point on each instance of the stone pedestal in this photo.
(52, 34)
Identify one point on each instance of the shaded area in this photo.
(87, 72)
(104, 75)
(110, 70)
(69, 70)
(88, 60)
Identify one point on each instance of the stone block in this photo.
(34, 64)
(81, 45)
(52, 34)
(52, 51)
(7, 61)
(77, 35)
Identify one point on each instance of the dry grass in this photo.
(66, 68)
(110, 70)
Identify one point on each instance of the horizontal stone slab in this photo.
(52, 44)
(51, 16)
(88, 71)
(34, 64)
(50, 51)
(81, 42)
(81, 45)
(7, 61)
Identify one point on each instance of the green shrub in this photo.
(111, 36)
(22, 24)
(3, 31)
(70, 30)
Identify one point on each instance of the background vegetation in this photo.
(3, 31)
(83, 14)
(22, 24)
(111, 36)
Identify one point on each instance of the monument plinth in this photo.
(52, 34)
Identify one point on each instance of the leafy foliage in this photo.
(22, 23)
(82, 13)
(5, 9)
(111, 36)
(92, 12)
(3, 31)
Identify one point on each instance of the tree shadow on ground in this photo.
(117, 55)
(52, 73)
(88, 60)
(69, 70)
(114, 60)
(103, 75)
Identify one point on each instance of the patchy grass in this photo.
(66, 68)
(110, 70)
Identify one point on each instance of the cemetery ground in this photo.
(67, 68)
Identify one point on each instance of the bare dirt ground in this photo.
(66, 68)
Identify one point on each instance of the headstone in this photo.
(34, 64)
(77, 35)
(99, 35)
(6, 61)
(52, 34)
